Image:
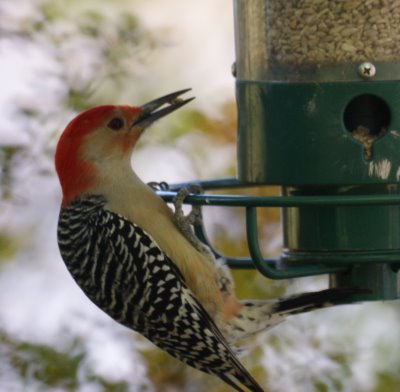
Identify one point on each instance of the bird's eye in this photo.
(116, 124)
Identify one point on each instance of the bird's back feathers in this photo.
(127, 275)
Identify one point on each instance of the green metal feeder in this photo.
(318, 92)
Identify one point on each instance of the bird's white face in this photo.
(113, 138)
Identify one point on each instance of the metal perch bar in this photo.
(276, 268)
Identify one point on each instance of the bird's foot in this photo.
(185, 222)
(158, 186)
(194, 217)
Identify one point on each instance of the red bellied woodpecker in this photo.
(139, 262)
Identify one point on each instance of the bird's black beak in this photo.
(168, 103)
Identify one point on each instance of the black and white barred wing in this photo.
(128, 276)
(169, 315)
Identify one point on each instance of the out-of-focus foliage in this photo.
(58, 58)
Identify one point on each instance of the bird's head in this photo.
(102, 139)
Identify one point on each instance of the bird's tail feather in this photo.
(231, 382)
(305, 302)
(259, 315)
(243, 378)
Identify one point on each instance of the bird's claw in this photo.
(194, 217)
(184, 222)
(158, 186)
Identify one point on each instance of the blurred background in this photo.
(60, 57)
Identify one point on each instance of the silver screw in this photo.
(367, 70)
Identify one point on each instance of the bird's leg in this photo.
(194, 217)
(223, 275)
(185, 222)
(182, 221)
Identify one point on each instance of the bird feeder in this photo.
(318, 97)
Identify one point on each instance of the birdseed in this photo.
(367, 139)
(321, 32)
